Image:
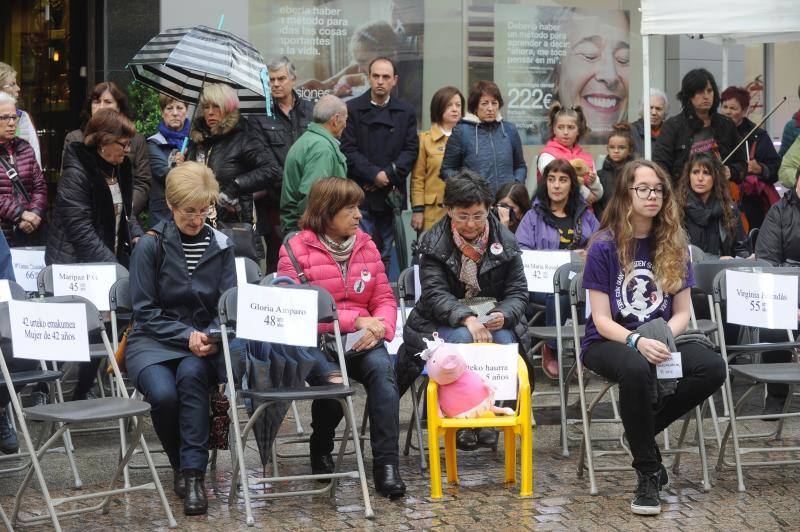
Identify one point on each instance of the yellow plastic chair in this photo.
(518, 424)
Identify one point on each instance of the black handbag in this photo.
(327, 341)
(244, 238)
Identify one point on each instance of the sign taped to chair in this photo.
(241, 272)
(91, 281)
(49, 331)
(497, 363)
(394, 346)
(761, 299)
(5, 291)
(540, 268)
(27, 265)
(279, 315)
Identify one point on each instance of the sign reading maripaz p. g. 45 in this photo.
(275, 314)
(49, 331)
(541, 266)
(92, 281)
(761, 299)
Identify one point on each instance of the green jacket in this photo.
(315, 155)
(790, 165)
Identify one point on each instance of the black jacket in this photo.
(168, 303)
(83, 215)
(501, 276)
(281, 131)
(779, 239)
(765, 153)
(704, 225)
(236, 151)
(378, 139)
(676, 137)
(608, 175)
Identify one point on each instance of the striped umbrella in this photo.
(179, 61)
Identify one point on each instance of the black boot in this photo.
(322, 464)
(196, 500)
(487, 437)
(466, 439)
(388, 482)
(177, 483)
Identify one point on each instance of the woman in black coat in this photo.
(468, 254)
(710, 215)
(237, 153)
(92, 206)
(698, 128)
(177, 278)
(763, 161)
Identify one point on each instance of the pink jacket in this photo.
(561, 152)
(365, 268)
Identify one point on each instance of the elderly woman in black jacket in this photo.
(699, 128)
(92, 219)
(469, 254)
(177, 278)
(236, 152)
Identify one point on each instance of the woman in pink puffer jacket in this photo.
(332, 252)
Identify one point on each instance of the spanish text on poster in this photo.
(49, 331)
(574, 55)
(497, 363)
(541, 266)
(91, 281)
(279, 315)
(761, 299)
(27, 265)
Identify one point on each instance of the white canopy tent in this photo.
(724, 22)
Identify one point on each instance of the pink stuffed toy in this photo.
(462, 392)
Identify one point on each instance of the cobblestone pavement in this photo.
(561, 500)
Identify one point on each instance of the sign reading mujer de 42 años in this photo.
(761, 299)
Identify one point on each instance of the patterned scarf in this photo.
(339, 251)
(471, 257)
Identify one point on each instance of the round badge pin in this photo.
(496, 248)
(359, 286)
(365, 275)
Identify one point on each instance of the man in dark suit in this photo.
(381, 144)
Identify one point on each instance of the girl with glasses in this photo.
(639, 276)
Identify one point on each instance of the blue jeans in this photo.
(380, 226)
(461, 335)
(178, 391)
(375, 371)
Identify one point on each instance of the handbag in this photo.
(327, 341)
(219, 420)
(243, 237)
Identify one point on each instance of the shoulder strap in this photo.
(159, 247)
(13, 177)
(300, 273)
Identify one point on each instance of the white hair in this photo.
(661, 94)
(280, 62)
(7, 98)
(328, 106)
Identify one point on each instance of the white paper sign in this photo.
(5, 291)
(541, 266)
(90, 281)
(417, 284)
(671, 369)
(496, 363)
(27, 265)
(761, 299)
(49, 331)
(241, 272)
(352, 338)
(397, 341)
(279, 315)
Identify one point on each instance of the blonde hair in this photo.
(221, 95)
(6, 73)
(670, 243)
(191, 183)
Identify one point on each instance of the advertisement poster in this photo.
(577, 56)
(332, 43)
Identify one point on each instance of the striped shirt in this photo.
(194, 247)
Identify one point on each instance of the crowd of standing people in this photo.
(331, 176)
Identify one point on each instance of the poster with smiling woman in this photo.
(574, 55)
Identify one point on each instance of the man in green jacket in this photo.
(315, 155)
(790, 165)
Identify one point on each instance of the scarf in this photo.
(471, 257)
(339, 251)
(705, 230)
(174, 138)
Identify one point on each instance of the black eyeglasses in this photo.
(643, 192)
(8, 118)
(123, 145)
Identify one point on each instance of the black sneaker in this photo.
(663, 477)
(646, 501)
(8, 436)
(322, 464)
